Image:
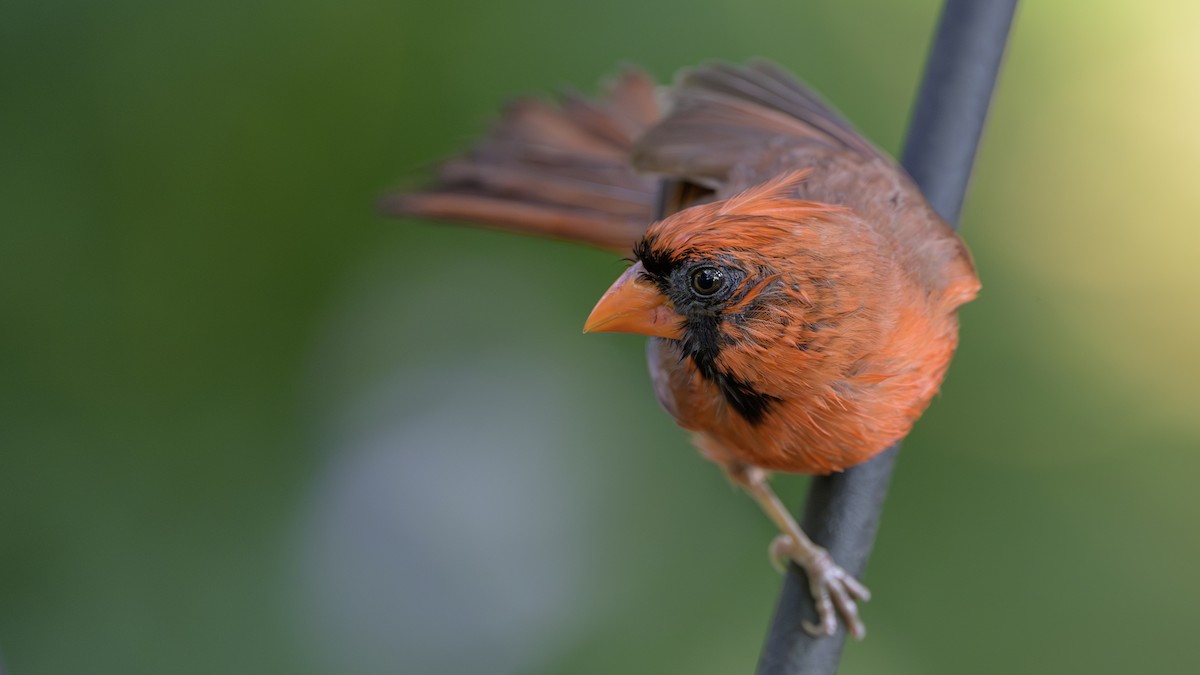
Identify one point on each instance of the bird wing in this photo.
(559, 170)
(590, 170)
(727, 122)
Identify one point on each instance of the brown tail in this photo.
(559, 171)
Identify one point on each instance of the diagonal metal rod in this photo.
(842, 511)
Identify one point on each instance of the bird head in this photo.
(766, 293)
(702, 273)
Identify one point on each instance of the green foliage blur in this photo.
(248, 426)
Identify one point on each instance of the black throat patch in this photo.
(702, 343)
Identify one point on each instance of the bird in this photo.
(799, 293)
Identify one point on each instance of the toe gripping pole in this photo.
(843, 510)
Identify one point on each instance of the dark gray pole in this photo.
(843, 510)
(955, 95)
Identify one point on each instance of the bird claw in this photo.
(834, 591)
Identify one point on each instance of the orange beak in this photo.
(634, 305)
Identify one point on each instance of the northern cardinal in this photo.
(800, 297)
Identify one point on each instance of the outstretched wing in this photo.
(589, 170)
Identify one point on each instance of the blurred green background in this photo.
(246, 425)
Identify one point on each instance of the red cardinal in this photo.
(801, 298)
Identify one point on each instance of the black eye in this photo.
(706, 281)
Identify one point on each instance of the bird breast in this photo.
(825, 408)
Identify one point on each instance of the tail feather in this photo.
(553, 170)
(601, 119)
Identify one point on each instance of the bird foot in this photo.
(831, 586)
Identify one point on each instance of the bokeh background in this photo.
(246, 425)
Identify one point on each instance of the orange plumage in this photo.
(835, 334)
(801, 299)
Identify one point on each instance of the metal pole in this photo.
(842, 512)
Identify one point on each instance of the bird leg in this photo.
(831, 586)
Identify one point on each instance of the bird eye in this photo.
(706, 281)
